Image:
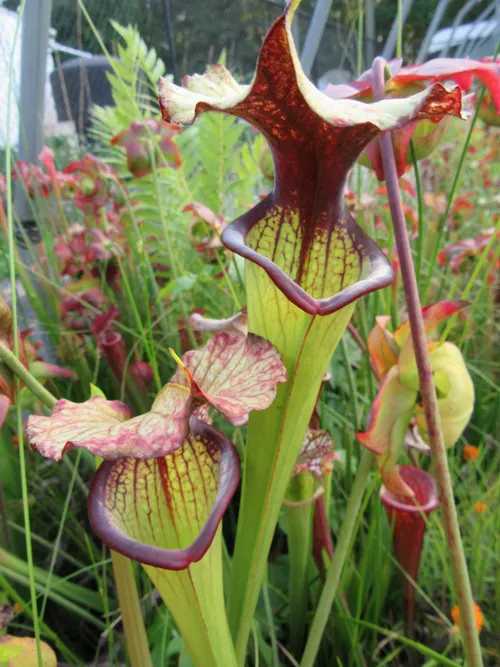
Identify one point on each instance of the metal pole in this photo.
(170, 38)
(466, 48)
(390, 44)
(314, 34)
(436, 20)
(457, 21)
(370, 31)
(34, 49)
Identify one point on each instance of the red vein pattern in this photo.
(164, 512)
(106, 428)
(302, 234)
(235, 374)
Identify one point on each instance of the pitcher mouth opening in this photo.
(422, 484)
(370, 271)
(115, 533)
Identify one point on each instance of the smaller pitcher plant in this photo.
(409, 518)
(397, 401)
(168, 476)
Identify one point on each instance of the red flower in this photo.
(93, 186)
(456, 254)
(405, 81)
(82, 247)
(110, 342)
(35, 181)
(144, 140)
(142, 372)
(79, 311)
(62, 184)
(205, 229)
(461, 70)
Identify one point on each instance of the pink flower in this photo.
(35, 181)
(78, 310)
(146, 140)
(405, 81)
(142, 372)
(93, 184)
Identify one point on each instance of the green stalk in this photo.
(38, 390)
(15, 335)
(339, 557)
(275, 435)
(299, 523)
(133, 624)
(355, 404)
(130, 606)
(270, 621)
(57, 543)
(359, 45)
(420, 212)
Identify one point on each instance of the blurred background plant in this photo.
(125, 246)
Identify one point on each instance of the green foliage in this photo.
(133, 83)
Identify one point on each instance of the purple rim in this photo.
(417, 480)
(103, 525)
(381, 272)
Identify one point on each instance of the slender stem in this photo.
(130, 606)
(364, 338)
(16, 343)
(428, 393)
(299, 523)
(37, 389)
(337, 565)
(57, 543)
(270, 619)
